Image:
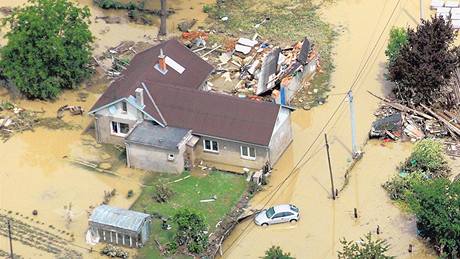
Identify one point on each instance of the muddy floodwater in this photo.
(363, 27)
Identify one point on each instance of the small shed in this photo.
(120, 226)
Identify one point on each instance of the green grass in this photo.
(187, 194)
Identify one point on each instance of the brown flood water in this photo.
(324, 221)
(34, 173)
(109, 35)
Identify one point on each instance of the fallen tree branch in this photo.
(401, 107)
(449, 125)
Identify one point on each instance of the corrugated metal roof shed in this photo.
(120, 218)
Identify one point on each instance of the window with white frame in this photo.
(210, 145)
(124, 107)
(248, 152)
(119, 128)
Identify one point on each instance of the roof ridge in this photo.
(154, 104)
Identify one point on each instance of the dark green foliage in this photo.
(191, 229)
(49, 47)
(368, 248)
(399, 187)
(425, 63)
(436, 204)
(275, 252)
(428, 158)
(114, 4)
(162, 193)
(398, 38)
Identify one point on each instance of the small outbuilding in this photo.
(120, 226)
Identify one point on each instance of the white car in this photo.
(277, 214)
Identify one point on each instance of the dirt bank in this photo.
(323, 221)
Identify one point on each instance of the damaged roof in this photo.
(178, 103)
(120, 218)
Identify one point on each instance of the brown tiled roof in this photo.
(141, 69)
(183, 106)
(215, 114)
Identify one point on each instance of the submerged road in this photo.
(301, 177)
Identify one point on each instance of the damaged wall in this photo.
(294, 85)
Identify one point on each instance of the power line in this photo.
(295, 168)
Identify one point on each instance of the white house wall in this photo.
(282, 135)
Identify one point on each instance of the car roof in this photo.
(282, 208)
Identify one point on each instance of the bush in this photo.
(275, 252)
(398, 38)
(191, 230)
(436, 206)
(367, 248)
(428, 158)
(162, 193)
(399, 187)
(48, 49)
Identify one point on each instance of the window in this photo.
(124, 107)
(278, 215)
(270, 212)
(248, 152)
(211, 145)
(119, 128)
(170, 157)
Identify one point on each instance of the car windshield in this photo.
(270, 212)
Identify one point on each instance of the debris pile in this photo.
(396, 121)
(14, 119)
(112, 251)
(256, 69)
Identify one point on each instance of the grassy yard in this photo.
(187, 194)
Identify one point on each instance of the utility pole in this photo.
(421, 9)
(354, 147)
(11, 238)
(330, 167)
(163, 14)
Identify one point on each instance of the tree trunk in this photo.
(162, 31)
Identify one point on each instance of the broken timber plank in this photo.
(401, 107)
(449, 125)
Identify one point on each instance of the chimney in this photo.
(162, 62)
(140, 96)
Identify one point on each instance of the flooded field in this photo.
(360, 63)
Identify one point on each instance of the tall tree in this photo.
(398, 38)
(425, 64)
(48, 49)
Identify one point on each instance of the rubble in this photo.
(258, 69)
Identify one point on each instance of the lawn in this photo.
(228, 188)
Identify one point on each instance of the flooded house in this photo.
(161, 111)
(119, 226)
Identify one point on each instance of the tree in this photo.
(275, 252)
(398, 38)
(436, 205)
(191, 231)
(48, 49)
(425, 63)
(367, 248)
(428, 159)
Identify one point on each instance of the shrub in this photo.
(436, 206)
(275, 252)
(399, 187)
(398, 38)
(428, 158)
(366, 248)
(162, 193)
(48, 49)
(191, 231)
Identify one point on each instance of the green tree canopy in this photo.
(436, 205)
(191, 229)
(425, 63)
(398, 38)
(367, 248)
(48, 49)
(275, 252)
